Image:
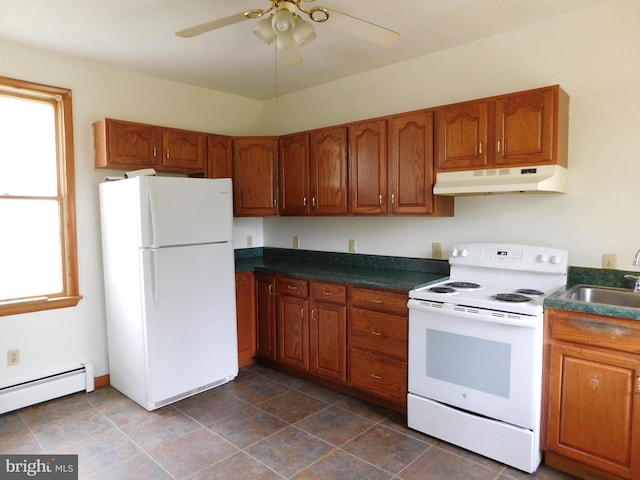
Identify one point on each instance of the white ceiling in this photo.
(138, 35)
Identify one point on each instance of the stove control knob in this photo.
(542, 258)
(455, 252)
(464, 252)
(556, 259)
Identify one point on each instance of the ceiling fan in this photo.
(291, 32)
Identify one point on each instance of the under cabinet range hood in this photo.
(534, 179)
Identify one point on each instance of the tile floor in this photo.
(263, 425)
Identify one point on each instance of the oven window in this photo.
(471, 362)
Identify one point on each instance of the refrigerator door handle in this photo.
(154, 278)
(152, 218)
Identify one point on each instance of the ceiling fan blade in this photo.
(211, 25)
(361, 28)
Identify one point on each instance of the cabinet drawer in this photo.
(379, 300)
(380, 375)
(329, 292)
(378, 332)
(605, 332)
(293, 286)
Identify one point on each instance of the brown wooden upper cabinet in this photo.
(255, 174)
(123, 145)
(411, 173)
(368, 167)
(219, 156)
(524, 128)
(313, 172)
(294, 174)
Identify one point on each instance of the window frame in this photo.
(69, 296)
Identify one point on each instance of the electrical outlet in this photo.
(13, 357)
(352, 245)
(296, 241)
(436, 250)
(609, 260)
(249, 241)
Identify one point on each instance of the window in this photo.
(38, 257)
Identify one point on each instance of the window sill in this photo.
(37, 305)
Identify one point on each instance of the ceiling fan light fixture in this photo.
(289, 51)
(264, 31)
(304, 32)
(283, 23)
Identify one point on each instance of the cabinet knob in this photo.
(637, 384)
(168, 153)
(380, 199)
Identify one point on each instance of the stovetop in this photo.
(504, 277)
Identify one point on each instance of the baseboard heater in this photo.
(45, 388)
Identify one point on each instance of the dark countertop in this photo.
(599, 277)
(392, 273)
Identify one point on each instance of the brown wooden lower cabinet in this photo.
(246, 317)
(323, 332)
(266, 316)
(592, 377)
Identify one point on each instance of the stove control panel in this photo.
(510, 256)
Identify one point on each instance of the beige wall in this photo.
(593, 53)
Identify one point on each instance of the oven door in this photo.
(485, 362)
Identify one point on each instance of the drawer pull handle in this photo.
(376, 301)
(292, 287)
(271, 289)
(373, 332)
(327, 293)
(377, 377)
(637, 384)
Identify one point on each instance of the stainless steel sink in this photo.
(616, 297)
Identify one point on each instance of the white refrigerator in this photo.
(169, 286)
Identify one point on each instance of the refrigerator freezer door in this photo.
(190, 319)
(185, 211)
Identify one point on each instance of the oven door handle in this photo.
(472, 313)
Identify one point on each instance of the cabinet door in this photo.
(127, 144)
(368, 167)
(293, 331)
(184, 150)
(525, 128)
(255, 174)
(328, 175)
(219, 156)
(594, 411)
(328, 340)
(266, 316)
(294, 174)
(246, 318)
(411, 163)
(463, 135)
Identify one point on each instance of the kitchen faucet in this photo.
(636, 262)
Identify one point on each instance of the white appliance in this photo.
(475, 350)
(533, 179)
(169, 286)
